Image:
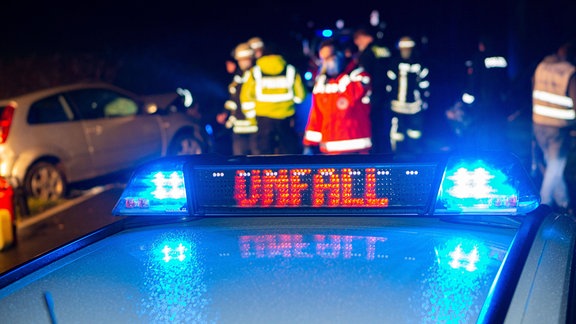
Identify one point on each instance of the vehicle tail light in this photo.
(5, 121)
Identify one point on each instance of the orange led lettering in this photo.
(240, 188)
(347, 199)
(370, 190)
(296, 186)
(275, 185)
(320, 187)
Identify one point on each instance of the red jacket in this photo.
(339, 120)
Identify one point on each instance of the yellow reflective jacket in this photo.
(272, 89)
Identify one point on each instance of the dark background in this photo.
(152, 47)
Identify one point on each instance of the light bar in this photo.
(327, 185)
(155, 189)
(492, 185)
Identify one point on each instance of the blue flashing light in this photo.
(481, 186)
(327, 33)
(308, 76)
(157, 189)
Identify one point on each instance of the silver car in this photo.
(52, 138)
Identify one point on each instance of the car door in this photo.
(120, 135)
(53, 129)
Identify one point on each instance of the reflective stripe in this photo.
(322, 87)
(313, 136)
(407, 108)
(230, 122)
(495, 62)
(558, 113)
(250, 113)
(243, 122)
(230, 105)
(355, 75)
(553, 98)
(414, 134)
(406, 44)
(394, 135)
(468, 98)
(424, 73)
(245, 129)
(284, 82)
(381, 52)
(348, 145)
(248, 105)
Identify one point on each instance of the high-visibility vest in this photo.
(551, 104)
(274, 95)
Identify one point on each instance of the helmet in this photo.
(242, 51)
(406, 42)
(255, 43)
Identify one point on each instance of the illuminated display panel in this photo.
(354, 186)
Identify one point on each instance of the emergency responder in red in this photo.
(339, 120)
(553, 117)
(375, 59)
(243, 129)
(409, 89)
(272, 89)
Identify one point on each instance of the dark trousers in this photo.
(244, 144)
(276, 136)
(406, 126)
(380, 117)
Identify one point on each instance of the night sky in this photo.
(192, 39)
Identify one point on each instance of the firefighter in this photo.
(375, 58)
(243, 129)
(339, 120)
(553, 118)
(272, 89)
(409, 92)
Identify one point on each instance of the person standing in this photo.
(375, 60)
(553, 117)
(487, 88)
(409, 90)
(272, 89)
(243, 129)
(339, 120)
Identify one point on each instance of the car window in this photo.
(53, 109)
(102, 103)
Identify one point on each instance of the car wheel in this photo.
(45, 181)
(185, 145)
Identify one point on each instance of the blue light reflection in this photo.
(464, 267)
(174, 287)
